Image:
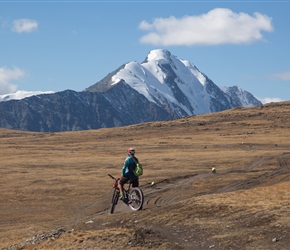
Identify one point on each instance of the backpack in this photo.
(139, 169)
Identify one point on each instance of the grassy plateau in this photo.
(56, 192)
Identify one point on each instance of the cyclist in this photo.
(127, 172)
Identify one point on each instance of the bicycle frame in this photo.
(125, 190)
(135, 195)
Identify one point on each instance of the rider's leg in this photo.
(121, 183)
(120, 186)
(120, 189)
(135, 182)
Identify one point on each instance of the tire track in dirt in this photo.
(175, 189)
(172, 190)
(169, 191)
(266, 177)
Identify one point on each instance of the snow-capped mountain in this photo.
(21, 94)
(241, 97)
(162, 87)
(176, 85)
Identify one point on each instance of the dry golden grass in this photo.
(59, 180)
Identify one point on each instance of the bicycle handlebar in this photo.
(112, 177)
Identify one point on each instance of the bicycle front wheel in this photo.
(137, 198)
(115, 199)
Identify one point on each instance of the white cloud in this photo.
(6, 77)
(285, 76)
(24, 25)
(218, 26)
(270, 99)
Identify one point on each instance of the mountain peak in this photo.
(158, 55)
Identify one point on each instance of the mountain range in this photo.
(162, 87)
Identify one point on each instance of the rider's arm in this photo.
(125, 167)
(123, 170)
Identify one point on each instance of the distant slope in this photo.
(70, 111)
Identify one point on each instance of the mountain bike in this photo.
(133, 196)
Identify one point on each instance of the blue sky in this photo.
(59, 45)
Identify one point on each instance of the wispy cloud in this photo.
(285, 76)
(24, 25)
(6, 78)
(218, 26)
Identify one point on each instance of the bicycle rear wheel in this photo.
(115, 199)
(137, 198)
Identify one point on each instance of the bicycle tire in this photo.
(115, 199)
(137, 197)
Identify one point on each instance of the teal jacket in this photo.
(128, 168)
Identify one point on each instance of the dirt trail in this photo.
(179, 188)
(169, 191)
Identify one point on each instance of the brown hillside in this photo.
(55, 191)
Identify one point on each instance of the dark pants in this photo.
(124, 180)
